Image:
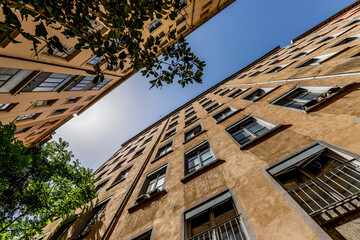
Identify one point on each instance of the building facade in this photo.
(271, 152)
(41, 93)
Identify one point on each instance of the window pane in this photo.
(200, 223)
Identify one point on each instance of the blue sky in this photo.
(240, 34)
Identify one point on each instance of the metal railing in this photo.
(328, 189)
(229, 230)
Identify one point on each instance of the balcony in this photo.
(229, 230)
(331, 194)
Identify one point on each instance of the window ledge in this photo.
(157, 158)
(203, 131)
(201, 171)
(232, 114)
(261, 137)
(147, 201)
(327, 99)
(115, 183)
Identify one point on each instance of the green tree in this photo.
(124, 41)
(38, 184)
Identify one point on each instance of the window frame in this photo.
(257, 89)
(137, 153)
(195, 135)
(193, 119)
(272, 126)
(118, 180)
(169, 136)
(234, 111)
(237, 94)
(213, 107)
(159, 150)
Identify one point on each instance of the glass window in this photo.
(68, 51)
(6, 106)
(257, 94)
(62, 229)
(207, 103)
(189, 114)
(164, 150)
(249, 128)
(95, 60)
(190, 121)
(27, 116)
(237, 93)
(154, 25)
(154, 180)
(6, 74)
(145, 236)
(100, 186)
(22, 130)
(169, 134)
(138, 153)
(198, 158)
(48, 82)
(147, 140)
(224, 113)
(123, 174)
(213, 107)
(193, 132)
(173, 124)
(226, 91)
(215, 219)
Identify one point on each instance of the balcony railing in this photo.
(329, 189)
(229, 230)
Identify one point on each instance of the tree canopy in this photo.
(124, 42)
(38, 184)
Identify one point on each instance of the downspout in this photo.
(109, 230)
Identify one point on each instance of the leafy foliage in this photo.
(124, 43)
(38, 184)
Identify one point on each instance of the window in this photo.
(138, 153)
(95, 60)
(68, 51)
(89, 98)
(258, 93)
(118, 165)
(213, 107)
(140, 139)
(102, 174)
(48, 123)
(215, 219)
(101, 84)
(217, 91)
(153, 131)
(237, 93)
(90, 220)
(73, 100)
(169, 134)
(180, 20)
(44, 103)
(304, 53)
(58, 111)
(96, 26)
(189, 114)
(77, 108)
(198, 157)
(154, 25)
(224, 113)
(226, 91)
(173, 124)
(351, 23)
(36, 133)
(278, 68)
(62, 229)
(101, 186)
(208, 4)
(48, 82)
(181, 30)
(193, 132)
(27, 117)
(131, 150)
(207, 103)
(188, 109)
(164, 150)
(346, 40)
(305, 97)
(319, 177)
(190, 121)
(123, 174)
(330, 37)
(249, 128)
(146, 141)
(154, 181)
(316, 60)
(5, 107)
(255, 73)
(6, 74)
(176, 117)
(203, 100)
(22, 130)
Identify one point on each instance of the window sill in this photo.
(147, 201)
(201, 171)
(114, 184)
(157, 158)
(203, 131)
(261, 137)
(227, 117)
